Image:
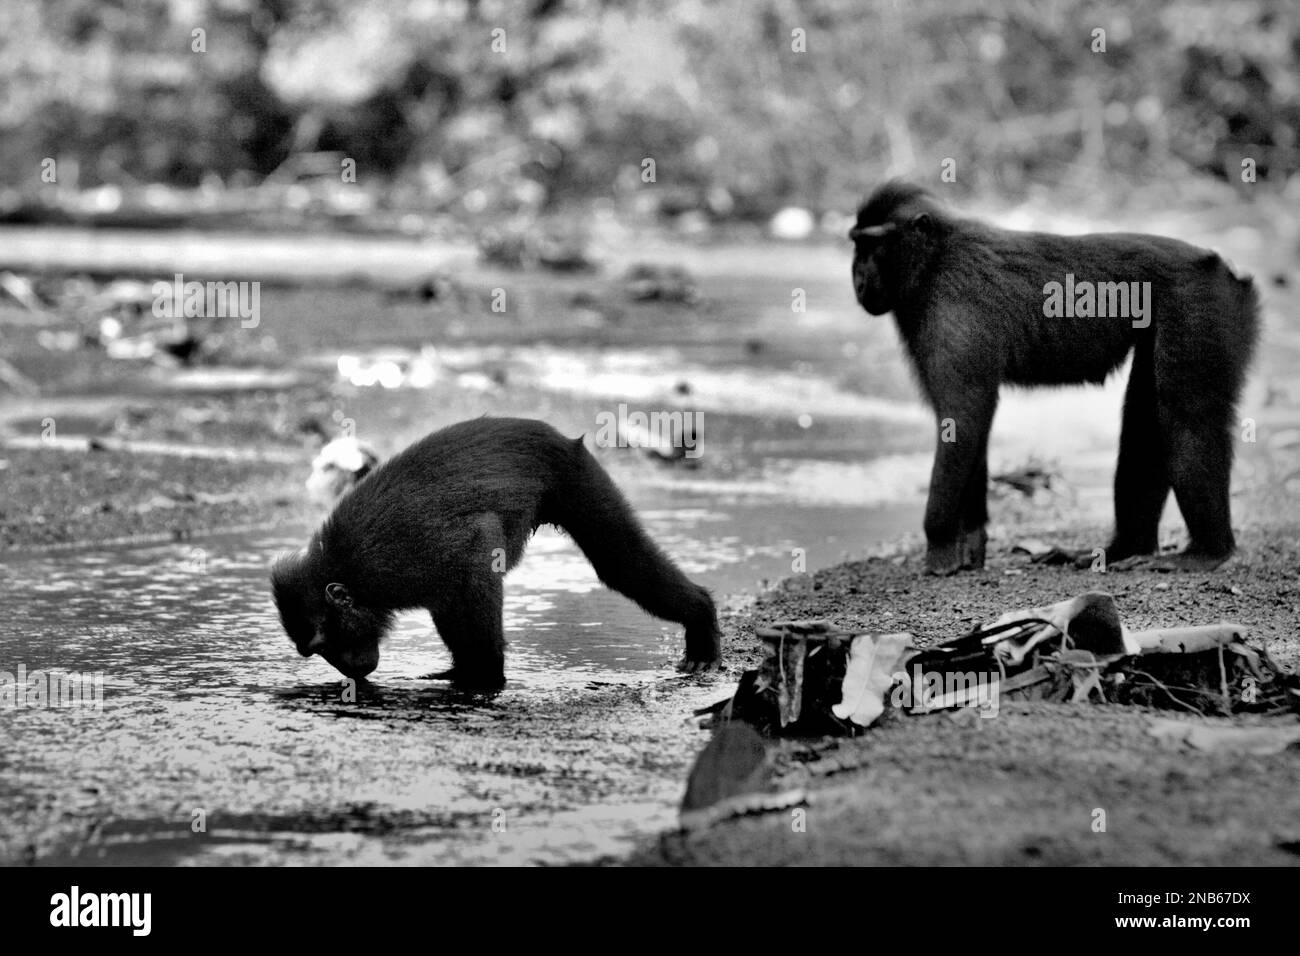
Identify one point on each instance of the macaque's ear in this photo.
(338, 595)
(923, 222)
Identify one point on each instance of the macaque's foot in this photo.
(1184, 561)
(1190, 560)
(973, 545)
(688, 666)
(472, 679)
(943, 560)
(1117, 556)
(1134, 562)
(964, 553)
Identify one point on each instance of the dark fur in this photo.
(421, 530)
(968, 301)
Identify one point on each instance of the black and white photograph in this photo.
(571, 433)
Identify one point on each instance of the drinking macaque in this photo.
(439, 524)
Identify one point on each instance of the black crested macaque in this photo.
(439, 524)
(978, 306)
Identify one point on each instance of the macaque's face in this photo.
(870, 267)
(329, 623)
(347, 640)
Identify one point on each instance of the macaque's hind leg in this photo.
(1195, 400)
(1141, 475)
(469, 619)
(594, 512)
(1200, 468)
(1192, 451)
(1200, 463)
(974, 537)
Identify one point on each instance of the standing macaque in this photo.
(978, 307)
(438, 525)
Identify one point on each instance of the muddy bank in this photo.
(1024, 787)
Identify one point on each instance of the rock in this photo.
(644, 282)
(733, 762)
(338, 467)
(1034, 547)
(20, 289)
(1027, 480)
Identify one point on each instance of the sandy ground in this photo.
(1025, 787)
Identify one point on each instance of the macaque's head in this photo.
(339, 465)
(893, 241)
(322, 617)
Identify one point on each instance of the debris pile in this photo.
(817, 679)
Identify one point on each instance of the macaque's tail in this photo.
(589, 506)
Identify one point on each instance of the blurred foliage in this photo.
(738, 121)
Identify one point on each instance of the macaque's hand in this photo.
(687, 666)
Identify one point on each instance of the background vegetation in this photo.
(737, 120)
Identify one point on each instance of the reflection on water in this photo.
(638, 375)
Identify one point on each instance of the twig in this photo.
(1170, 691)
(1223, 683)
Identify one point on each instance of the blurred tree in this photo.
(745, 105)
